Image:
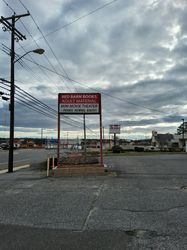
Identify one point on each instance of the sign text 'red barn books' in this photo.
(79, 103)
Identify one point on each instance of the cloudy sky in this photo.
(133, 52)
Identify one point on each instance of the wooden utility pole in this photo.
(15, 35)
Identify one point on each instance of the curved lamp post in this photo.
(12, 91)
(37, 51)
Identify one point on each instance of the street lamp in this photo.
(5, 98)
(12, 92)
(37, 51)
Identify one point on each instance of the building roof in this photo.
(163, 138)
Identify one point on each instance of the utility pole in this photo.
(42, 131)
(103, 132)
(183, 134)
(15, 35)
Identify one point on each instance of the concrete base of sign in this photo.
(79, 170)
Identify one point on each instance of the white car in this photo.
(151, 148)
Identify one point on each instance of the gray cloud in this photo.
(132, 50)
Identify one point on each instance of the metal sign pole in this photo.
(114, 139)
(84, 134)
(58, 147)
(101, 136)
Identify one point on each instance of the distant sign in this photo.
(79, 103)
(114, 129)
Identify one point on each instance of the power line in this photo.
(48, 107)
(34, 107)
(9, 6)
(25, 66)
(40, 104)
(124, 100)
(48, 44)
(34, 41)
(42, 70)
(43, 104)
(30, 69)
(67, 77)
(98, 90)
(37, 108)
(46, 110)
(77, 19)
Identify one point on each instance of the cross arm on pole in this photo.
(16, 16)
(9, 27)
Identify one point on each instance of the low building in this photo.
(161, 141)
(171, 142)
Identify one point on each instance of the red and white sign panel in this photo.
(79, 103)
(114, 129)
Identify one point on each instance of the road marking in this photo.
(15, 168)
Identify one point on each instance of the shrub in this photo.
(139, 149)
(116, 149)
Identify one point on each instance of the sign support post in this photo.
(58, 148)
(84, 134)
(101, 138)
(114, 139)
(114, 129)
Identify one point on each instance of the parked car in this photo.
(151, 149)
(5, 146)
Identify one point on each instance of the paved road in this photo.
(144, 207)
(25, 156)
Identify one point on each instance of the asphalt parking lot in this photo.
(142, 206)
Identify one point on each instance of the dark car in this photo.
(5, 146)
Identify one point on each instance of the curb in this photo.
(4, 171)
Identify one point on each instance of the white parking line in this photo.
(15, 168)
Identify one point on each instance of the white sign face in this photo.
(79, 103)
(79, 108)
(114, 129)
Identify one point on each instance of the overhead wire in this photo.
(32, 100)
(124, 100)
(40, 107)
(42, 70)
(35, 43)
(48, 107)
(79, 18)
(43, 104)
(8, 6)
(22, 64)
(67, 77)
(48, 44)
(45, 110)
